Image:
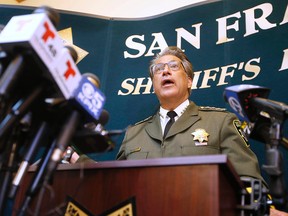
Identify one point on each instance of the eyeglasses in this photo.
(160, 68)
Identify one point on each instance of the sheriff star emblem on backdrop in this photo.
(67, 37)
(200, 137)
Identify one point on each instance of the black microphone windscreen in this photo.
(52, 14)
(72, 52)
(104, 117)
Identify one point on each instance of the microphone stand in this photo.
(274, 163)
(37, 180)
(50, 162)
(10, 79)
(278, 112)
(6, 172)
(18, 111)
(13, 142)
(34, 146)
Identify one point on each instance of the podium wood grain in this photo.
(199, 185)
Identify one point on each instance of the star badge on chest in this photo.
(200, 137)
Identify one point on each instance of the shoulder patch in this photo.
(237, 125)
(208, 108)
(144, 120)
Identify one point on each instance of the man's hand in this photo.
(274, 212)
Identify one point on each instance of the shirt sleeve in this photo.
(234, 143)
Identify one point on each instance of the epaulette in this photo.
(150, 117)
(208, 108)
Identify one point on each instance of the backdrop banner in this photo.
(228, 42)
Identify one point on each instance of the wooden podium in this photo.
(198, 185)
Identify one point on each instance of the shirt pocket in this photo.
(199, 150)
(137, 155)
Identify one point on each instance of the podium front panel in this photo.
(201, 185)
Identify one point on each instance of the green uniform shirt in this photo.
(198, 131)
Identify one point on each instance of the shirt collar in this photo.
(179, 110)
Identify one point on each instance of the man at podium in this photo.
(181, 128)
(191, 129)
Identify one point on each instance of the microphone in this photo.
(21, 108)
(250, 103)
(33, 39)
(273, 108)
(93, 137)
(88, 98)
(37, 180)
(255, 122)
(40, 135)
(92, 78)
(266, 119)
(99, 129)
(53, 16)
(86, 103)
(103, 119)
(62, 142)
(239, 98)
(17, 112)
(17, 64)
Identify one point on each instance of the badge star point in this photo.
(200, 135)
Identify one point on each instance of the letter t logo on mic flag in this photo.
(48, 33)
(36, 32)
(69, 71)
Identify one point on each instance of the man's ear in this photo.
(189, 82)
